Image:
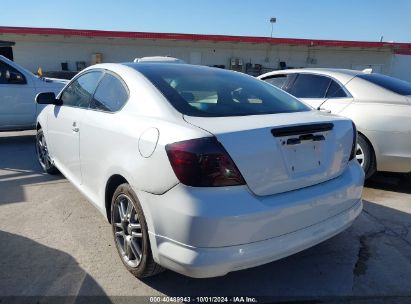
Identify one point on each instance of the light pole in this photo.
(272, 21)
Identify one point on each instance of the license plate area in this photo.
(302, 156)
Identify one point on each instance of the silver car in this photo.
(379, 105)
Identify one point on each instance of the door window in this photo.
(111, 94)
(335, 91)
(310, 86)
(80, 91)
(9, 75)
(277, 80)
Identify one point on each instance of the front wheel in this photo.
(43, 154)
(365, 156)
(131, 234)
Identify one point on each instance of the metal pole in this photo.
(272, 21)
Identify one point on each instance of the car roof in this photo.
(141, 66)
(158, 59)
(340, 74)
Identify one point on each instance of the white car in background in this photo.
(379, 105)
(201, 170)
(18, 90)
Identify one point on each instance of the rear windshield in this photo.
(393, 84)
(211, 92)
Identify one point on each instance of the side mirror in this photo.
(48, 98)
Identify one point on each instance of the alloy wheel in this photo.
(42, 151)
(127, 231)
(360, 155)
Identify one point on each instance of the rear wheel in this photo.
(365, 156)
(43, 154)
(131, 234)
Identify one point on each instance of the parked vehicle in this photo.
(379, 105)
(201, 170)
(158, 59)
(18, 89)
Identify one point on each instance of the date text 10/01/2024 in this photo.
(238, 299)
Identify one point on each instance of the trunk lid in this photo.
(283, 152)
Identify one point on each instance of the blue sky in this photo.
(316, 19)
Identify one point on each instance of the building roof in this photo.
(6, 43)
(400, 48)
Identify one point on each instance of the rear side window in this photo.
(111, 94)
(392, 84)
(310, 86)
(80, 91)
(277, 80)
(335, 90)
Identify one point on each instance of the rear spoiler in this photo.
(302, 129)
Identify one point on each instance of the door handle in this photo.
(75, 128)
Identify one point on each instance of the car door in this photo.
(110, 96)
(17, 94)
(64, 124)
(320, 92)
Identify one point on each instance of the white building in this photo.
(57, 49)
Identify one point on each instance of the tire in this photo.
(43, 156)
(130, 233)
(365, 156)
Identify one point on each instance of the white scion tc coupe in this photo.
(201, 170)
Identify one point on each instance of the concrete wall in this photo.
(401, 67)
(49, 51)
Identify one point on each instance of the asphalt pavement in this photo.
(54, 243)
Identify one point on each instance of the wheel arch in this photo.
(112, 183)
(371, 146)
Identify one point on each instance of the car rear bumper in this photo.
(212, 262)
(206, 232)
(229, 216)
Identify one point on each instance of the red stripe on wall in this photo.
(399, 47)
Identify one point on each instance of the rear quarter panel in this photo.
(388, 127)
(110, 144)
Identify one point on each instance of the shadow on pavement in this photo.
(19, 167)
(31, 269)
(387, 181)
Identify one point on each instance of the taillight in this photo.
(203, 162)
(354, 142)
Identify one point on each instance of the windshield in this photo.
(393, 84)
(212, 92)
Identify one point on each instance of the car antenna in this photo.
(319, 107)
